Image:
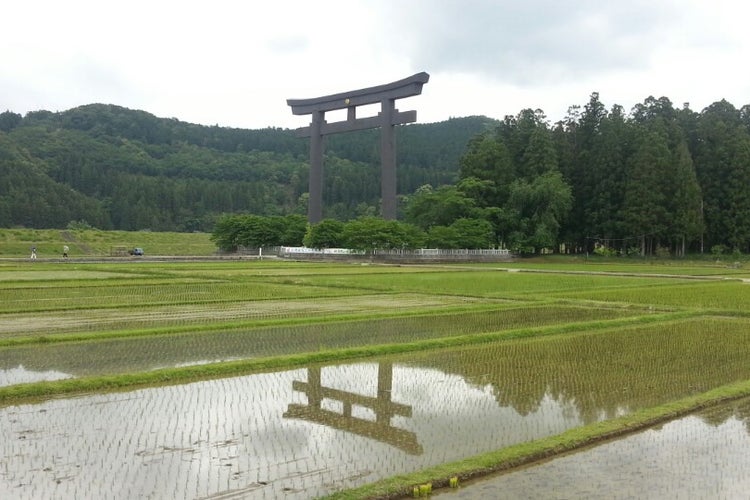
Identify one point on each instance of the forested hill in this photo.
(117, 168)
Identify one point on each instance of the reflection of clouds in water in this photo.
(205, 438)
(179, 441)
(361, 378)
(21, 375)
(448, 402)
(684, 458)
(452, 419)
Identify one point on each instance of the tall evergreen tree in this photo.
(584, 128)
(722, 161)
(685, 201)
(645, 214)
(608, 154)
(487, 158)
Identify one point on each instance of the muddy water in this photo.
(700, 456)
(293, 434)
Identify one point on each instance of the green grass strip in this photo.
(513, 456)
(34, 391)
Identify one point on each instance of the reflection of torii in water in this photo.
(388, 117)
(384, 409)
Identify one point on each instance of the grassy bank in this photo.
(17, 243)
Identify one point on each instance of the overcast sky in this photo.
(234, 63)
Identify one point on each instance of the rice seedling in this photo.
(105, 353)
(485, 283)
(714, 296)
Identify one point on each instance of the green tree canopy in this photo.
(438, 207)
(370, 233)
(327, 233)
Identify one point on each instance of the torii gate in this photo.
(387, 119)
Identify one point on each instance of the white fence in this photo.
(319, 251)
(446, 252)
(419, 252)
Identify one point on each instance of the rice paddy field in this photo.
(274, 379)
(702, 455)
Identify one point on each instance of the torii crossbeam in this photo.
(387, 119)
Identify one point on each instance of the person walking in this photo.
(33, 253)
(65, 251)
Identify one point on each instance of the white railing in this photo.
(439, 252)
(432, 252)
(319, 251)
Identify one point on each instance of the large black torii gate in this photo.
(387, 119)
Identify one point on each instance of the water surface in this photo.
(311, 431)
(292, 434)
(112, 356)
(704, 455)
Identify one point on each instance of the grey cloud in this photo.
(523, 42)
(289, 44)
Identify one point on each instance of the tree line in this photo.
(124, 169)
(656, 179)
(659, 180)
(233, 232)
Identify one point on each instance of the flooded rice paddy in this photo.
(258, 435)
(316, 430)
(312, 430)
(161, 315)
(111, 356)
(703, 455)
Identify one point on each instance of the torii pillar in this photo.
(387, 119)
